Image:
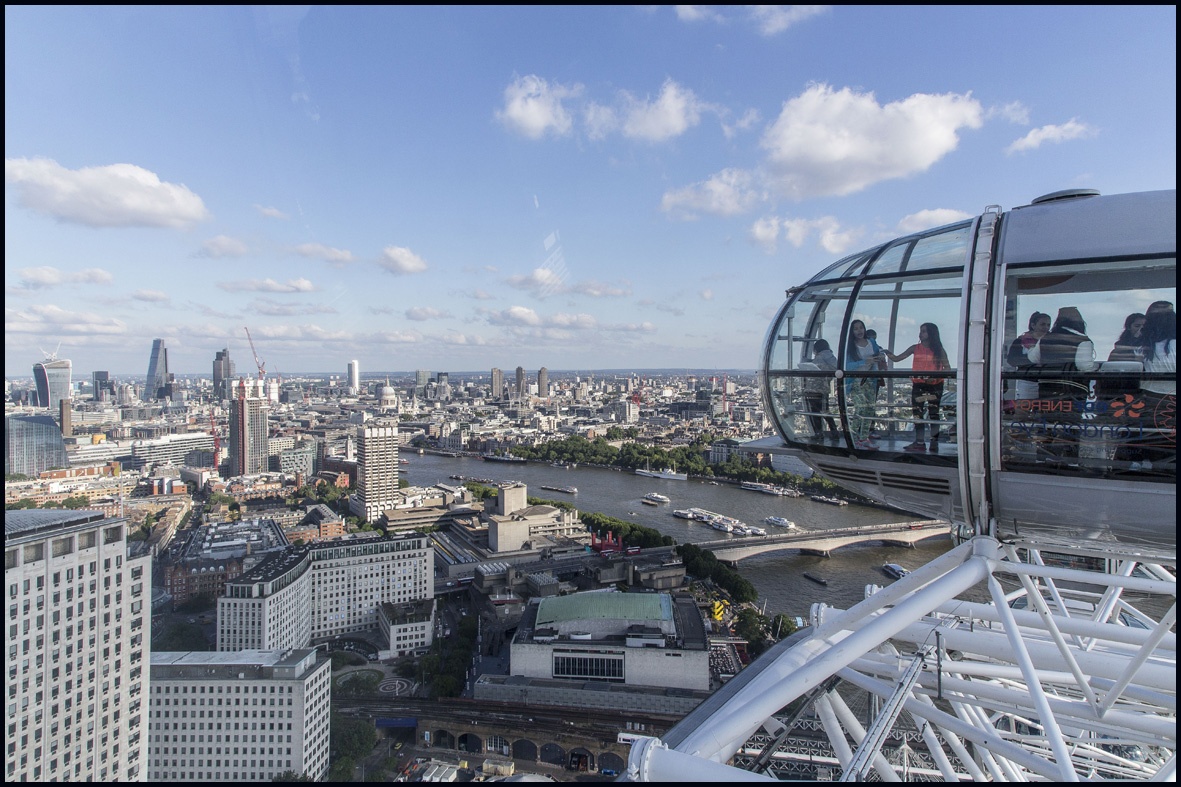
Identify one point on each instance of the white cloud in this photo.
(515, 316)
(631, 327)
(744, 123)
(934, 217)
(116, 195)
(596, 289)
(674, 112)
(697, 13)
(599, 121)
(540, 282)
(774, 19)
(151, 296)
(1014, 112)
(831, 236)
(481, 295)
(222, 246)
(727, 193)
(582, 322)
(707, 295)
(765, 233)
(1071, 129)
(267, 285)
(45, 276)
(533, 107)
(398, 259)
(52, 320)
(271, 213)
(423, 313)
(319, 251)
(275, 309)
(463, 340)
(829, 142)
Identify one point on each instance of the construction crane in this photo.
(216, 442)
(259, 362)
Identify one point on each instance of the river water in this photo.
(778, 577)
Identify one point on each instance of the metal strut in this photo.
(871, 744)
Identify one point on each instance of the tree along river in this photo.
(777, 576)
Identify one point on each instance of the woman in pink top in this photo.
(925, 392)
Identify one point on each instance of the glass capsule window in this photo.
(833, 388)
(1088, 372)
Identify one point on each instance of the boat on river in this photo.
(685, 513)
(778, 521)
(570, 490)
(655, 498)
(669, 475)
(816, 579)
(832, 501)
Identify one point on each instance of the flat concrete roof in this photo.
(604, 606)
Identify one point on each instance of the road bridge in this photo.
(731, 550)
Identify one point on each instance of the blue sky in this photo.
(578, 188)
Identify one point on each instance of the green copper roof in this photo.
(604, 606)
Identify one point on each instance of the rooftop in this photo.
(604, 606)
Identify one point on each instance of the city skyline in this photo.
(466, 188)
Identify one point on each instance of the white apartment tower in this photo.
(234, 717)
(377, 471)
(78, 626)
(310, 594)
(354, 376)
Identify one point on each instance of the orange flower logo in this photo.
(1126, 406)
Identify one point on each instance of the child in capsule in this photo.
(862, 354)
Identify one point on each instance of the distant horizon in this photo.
(671, 370)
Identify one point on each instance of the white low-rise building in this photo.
(640, 639)
(243, 716)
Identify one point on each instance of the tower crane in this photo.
(258, 362)
(216, 442)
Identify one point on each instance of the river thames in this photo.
(778, 577)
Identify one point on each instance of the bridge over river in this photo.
(731, 550)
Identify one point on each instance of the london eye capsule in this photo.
(1020, 381)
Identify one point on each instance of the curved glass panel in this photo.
(892, 259)
(948, 249)
(904, 401)
(1082, 394)
(802, 362)
(845, 268)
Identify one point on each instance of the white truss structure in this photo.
(1065, 677)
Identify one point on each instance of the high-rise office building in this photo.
(102, 384)
(354, 373)
(32, 443)
(79, 627)
(519, 392)
(497, 383)
(377, 471)
(543, 383)
(421, 378)
(248, 435)
(231, 689)
(223, 375)
(52, 377)
(156, 385)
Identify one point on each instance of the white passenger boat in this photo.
(778, 521)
